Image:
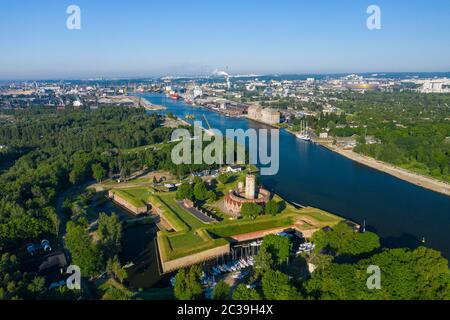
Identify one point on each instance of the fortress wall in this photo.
(161, 214)
(261, 234)
(172, 265)
(124, 203)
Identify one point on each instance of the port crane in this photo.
(207, 122)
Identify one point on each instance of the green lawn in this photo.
(233, 228)
(168, 199)
(180, 241)
(169, 213)
(136, 196)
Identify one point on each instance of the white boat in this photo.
(304, 132)
(303, 137)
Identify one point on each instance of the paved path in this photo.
(197, 213)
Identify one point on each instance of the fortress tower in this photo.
(248, 194)
(250, 187)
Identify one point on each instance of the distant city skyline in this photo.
(140, 39)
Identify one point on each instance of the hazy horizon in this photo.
(142, 39)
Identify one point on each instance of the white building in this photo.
(197, 92)
(266, 115)
(436, 86)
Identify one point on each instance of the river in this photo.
(402, 214)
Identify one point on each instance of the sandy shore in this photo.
(415, 178)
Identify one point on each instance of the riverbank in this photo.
(403, 174)
(147, 105)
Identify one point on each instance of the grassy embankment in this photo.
(135, 196)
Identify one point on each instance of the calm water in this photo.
(401, 213)
(138, 244)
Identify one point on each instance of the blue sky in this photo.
(139, 38)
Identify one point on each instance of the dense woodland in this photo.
(413, 128)
(48, 152)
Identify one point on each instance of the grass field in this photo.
(169, 201)
(234, 228)
(136, 196)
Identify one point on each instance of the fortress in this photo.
(250, 194)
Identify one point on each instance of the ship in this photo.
(304, 132)
(173, 95)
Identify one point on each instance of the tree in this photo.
(200, 191)
(187, 284)
(223, 178)
(221, 291)
(212, 196)
(345, 241)
(170, 115)
(276, 286)
(185, 192)
(271, 208)
(251, 210)
(405, 275)
(263, 261)
(278, 246)
(245, 294)
(37, 285)
(109, 232)
(321, 261)
(85, 254)
(114, 268)
(98, 172)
